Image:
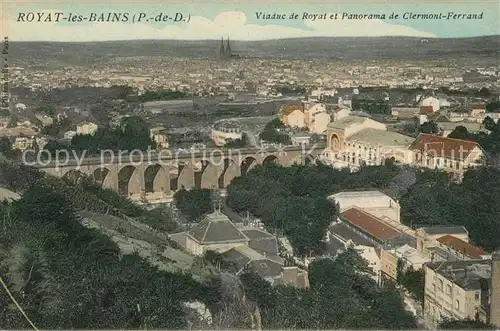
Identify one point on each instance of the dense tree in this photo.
(291, 90)
(237, 143)
(342, 295)
(493, 106)
(292, 200)
(436, 200)
(412, 280)
(6, 147)
(489, 123)
(371, 106)
(194, 203)
(484, 92)
(274, 132)
(429, 127)
(460, 132)
(132, 134)
(66, 276)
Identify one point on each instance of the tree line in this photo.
(131, 134)
(65, 276)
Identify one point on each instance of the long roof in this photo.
(381, 137)
(462, 246)
(370, 224)
(346, 122)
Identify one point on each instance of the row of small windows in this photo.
(359, 147)
(446, 163)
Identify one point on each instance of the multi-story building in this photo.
(454, 156)
(457, 290)
(225, 130)
(355, 141)
(431, 101)
(373, 202)
(431, 244)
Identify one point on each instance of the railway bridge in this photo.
(158, 175)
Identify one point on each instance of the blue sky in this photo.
(238, 21)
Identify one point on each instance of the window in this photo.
(441, 284)
(457, 165)
(476, 296)
(457, 305)
(448, 289)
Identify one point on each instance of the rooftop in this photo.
(468, 274)
(262, 242)
(359, 194)
(444, 230)
(346, 122)
(369, 224)
(438, 146)
(462, 247)
(216, 228)
(381, 137)
(411, 254)
(346, 233)
(426, 110)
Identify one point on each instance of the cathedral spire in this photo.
(228, 49)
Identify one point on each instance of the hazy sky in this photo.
(238, 21)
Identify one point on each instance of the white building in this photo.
(373, 202)
(431, 101)
(355, 141)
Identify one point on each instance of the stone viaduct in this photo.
(160, 174)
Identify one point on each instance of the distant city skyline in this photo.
(216, 20)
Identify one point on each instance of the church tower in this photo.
(222, 52)
(228, 49)
(495, 289)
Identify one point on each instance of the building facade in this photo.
(355, 141)
(455, 156)
(457, 290)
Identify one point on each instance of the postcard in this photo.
(250, 164)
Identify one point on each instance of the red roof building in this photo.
(444, 147)
(369, 225)
(463, 247)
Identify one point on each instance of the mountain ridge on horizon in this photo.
(495, 36)
(338, 48)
